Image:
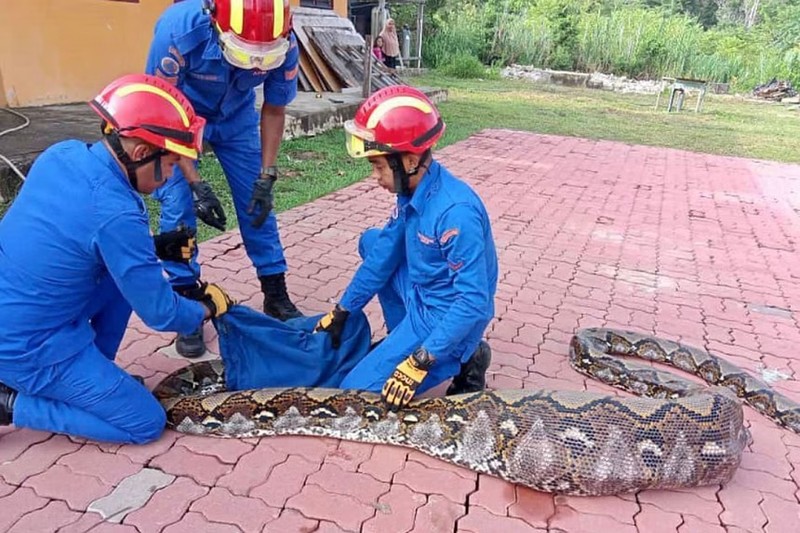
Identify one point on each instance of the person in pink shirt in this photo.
(377, 48)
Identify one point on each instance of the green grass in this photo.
(727, 125)
(309, 168)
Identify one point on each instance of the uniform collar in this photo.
(103, 153)
(427, 187)
(201, 35)
(212, 49)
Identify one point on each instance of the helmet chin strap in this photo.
(132, 166)
(402, 176)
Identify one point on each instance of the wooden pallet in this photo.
(332, 53)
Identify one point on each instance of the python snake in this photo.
(571, 442)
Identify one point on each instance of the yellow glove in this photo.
(177, 245)
(217, 301)
(400, 388)
(333, 324)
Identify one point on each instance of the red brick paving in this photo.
(689, 246)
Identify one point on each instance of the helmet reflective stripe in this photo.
(277, 18)
(237, 15)
(393, 103)
(142, 87)
(180, 149)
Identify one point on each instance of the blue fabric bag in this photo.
(260, 351)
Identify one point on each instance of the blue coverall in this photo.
(76, 255)
(185, 50)
(434, 269)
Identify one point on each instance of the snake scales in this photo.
(569, 442)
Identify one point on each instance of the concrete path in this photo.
(687, 246)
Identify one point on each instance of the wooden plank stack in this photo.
(775, 90)
(332, 53)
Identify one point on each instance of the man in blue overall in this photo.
(77, 256)
(433, 265)
(217, 52)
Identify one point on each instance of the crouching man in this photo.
(433, 265)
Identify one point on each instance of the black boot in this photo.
(472, 377)
(191, 346)
(276, 299)
(8, 397)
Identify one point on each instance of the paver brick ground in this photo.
(693, 247)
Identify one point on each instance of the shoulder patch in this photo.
(169, 66)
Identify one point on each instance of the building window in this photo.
(319, 4)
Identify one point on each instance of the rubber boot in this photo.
(193, 345)
(7, 398)
(472, 377)
(276, 299)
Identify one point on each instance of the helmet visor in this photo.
(246, 55)
(360, 142)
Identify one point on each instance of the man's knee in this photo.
(150, 427)
(367, 241)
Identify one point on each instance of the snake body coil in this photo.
(569, 442)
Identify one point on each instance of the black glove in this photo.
(207, 206)
(177, 245)
(400, 388)
(210, 294)
(262, 200)
(333, 324)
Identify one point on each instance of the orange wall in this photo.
(340, 6)
(59, 51)
(52, 51)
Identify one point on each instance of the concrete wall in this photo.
(60, 51)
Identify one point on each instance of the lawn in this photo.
(313, 167)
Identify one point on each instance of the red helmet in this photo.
(252, 33)
(395, 119)
(150, 109)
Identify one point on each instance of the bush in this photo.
(465, 67)
(628, 40)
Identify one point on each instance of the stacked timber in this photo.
(332, 53)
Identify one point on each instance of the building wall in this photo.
(61, 51)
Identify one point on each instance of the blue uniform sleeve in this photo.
(280, 87)
(460, 232)
(164, 60)
(127, 249)
(379, 265)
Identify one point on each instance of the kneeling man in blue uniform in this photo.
(77, 257)
(433, 265)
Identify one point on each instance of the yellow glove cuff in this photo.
(410, 369)
(218, 297)
(324, 322)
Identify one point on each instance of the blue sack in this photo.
(260, 351)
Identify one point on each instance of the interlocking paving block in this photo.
(131, 494)
(770, 310)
